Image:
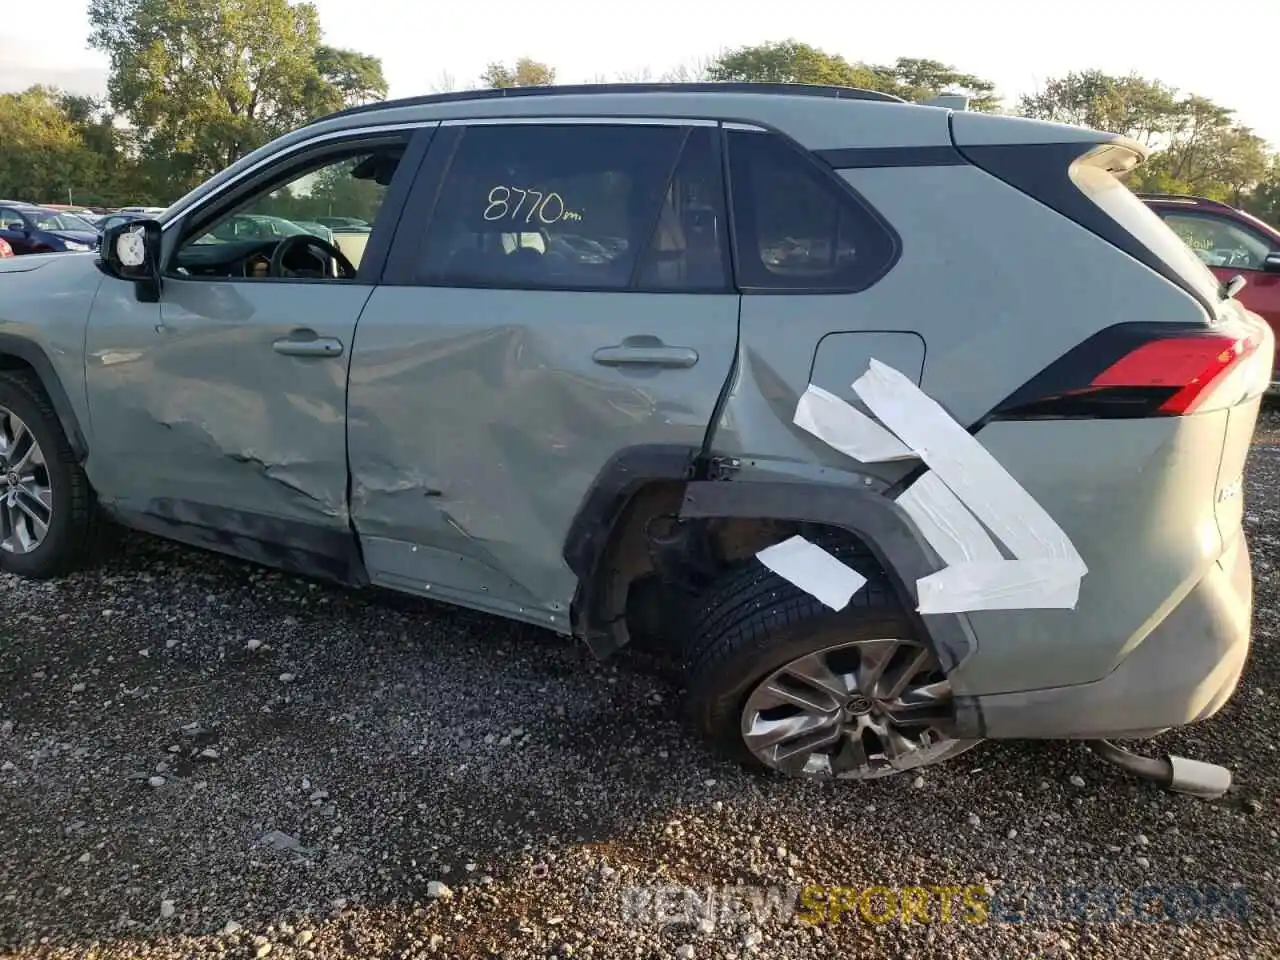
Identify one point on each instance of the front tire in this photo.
(779, 681)
(46, 503)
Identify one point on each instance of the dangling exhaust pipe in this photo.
(1176, 774)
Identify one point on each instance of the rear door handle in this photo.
(305, 343)
(645, 354)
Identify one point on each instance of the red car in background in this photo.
(1230, 242)
(5, 249)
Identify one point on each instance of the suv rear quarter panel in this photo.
(997, 286)
(1136, 497)
(994, 285)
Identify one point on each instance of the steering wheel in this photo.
(346, 270)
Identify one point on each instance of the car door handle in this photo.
(305, 343)
(645, 354)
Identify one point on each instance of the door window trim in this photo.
(177, 214)
(203, 212)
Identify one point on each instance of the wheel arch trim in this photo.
(595, 525)
(877, 521)
(35, 357)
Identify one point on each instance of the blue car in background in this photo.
(31, 229)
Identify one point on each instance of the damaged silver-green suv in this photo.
(903, 426)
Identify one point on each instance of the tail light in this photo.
(1135, 370)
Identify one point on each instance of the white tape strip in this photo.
(846, 428)
(947, 523)
(813, 570)
(999, 585)
(1047, 568)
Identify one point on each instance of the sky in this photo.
(1225, 52)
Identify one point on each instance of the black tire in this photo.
(754, 622)
(73, 524)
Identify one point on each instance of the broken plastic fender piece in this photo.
(846, 428)
(813, 570)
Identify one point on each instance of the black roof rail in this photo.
(561, 90)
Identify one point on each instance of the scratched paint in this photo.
(191, 403)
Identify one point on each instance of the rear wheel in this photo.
(46, 505)
(777, 680)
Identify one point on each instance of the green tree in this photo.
(356, 78)
(790, 61)
(203, 82)
(1144, 110)
(1211, 154)
(45, 157)
(526, 73)
(1264, 201)
(915, 79)
(1197, 145)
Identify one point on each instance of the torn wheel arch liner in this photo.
(886, 529)
(596, 523)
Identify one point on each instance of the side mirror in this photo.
(1272, 262)
(16, 227)
(131, 251)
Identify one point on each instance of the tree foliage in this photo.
(203, 82)
(790, 61)
(44, 146)
(1197, 145)
(525, 73)
(196, 84)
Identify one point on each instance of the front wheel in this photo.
(46, 505)
(777, 680)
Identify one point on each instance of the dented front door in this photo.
(219, 414)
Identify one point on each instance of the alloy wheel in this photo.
(854, 711)
(26, 494)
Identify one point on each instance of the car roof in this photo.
(608, 89)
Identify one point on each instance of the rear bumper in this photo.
(1183, 671)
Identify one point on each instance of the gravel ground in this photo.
(199, 757)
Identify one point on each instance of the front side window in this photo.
(797, 228)
(578, 206)
(278, 232)
(1219, 242)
